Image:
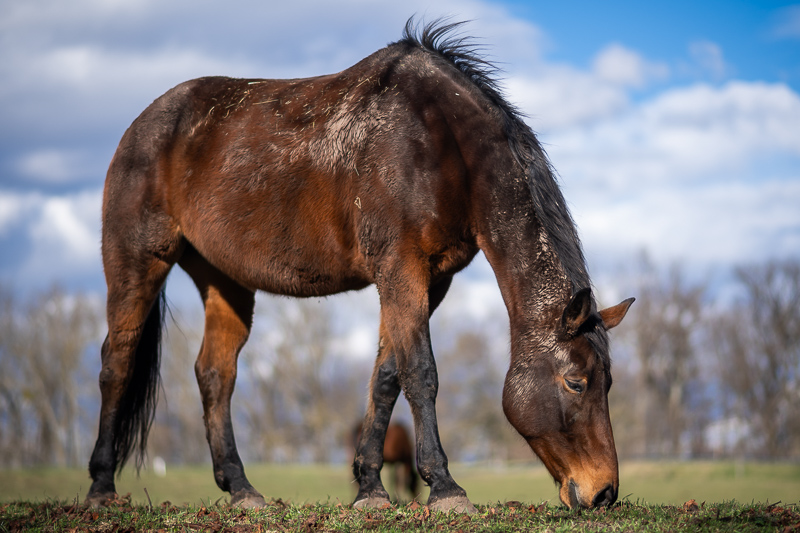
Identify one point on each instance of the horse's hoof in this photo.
(453, 504)
(100, 499)
(248, 500)
(373, 502)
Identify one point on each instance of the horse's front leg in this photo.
(404, 317)
(383, 391)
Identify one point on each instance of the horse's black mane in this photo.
(550, 207)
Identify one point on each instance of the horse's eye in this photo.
(575, 386)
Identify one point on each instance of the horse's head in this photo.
(558, 401)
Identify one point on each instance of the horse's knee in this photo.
(114, 372)
(208, 378)
(386, 383)
(420, 383)
(216, 382)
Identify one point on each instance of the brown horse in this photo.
(396, 172)
(398, 451)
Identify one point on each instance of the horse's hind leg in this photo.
(229, 316)
(383, 392)
(130, 360)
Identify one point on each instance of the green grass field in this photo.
(658, 497)
(652, 482)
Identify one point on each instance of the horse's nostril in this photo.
(605, 497)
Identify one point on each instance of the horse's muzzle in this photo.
(604, 498)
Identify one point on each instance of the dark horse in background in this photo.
(398, 451)
(396, 172)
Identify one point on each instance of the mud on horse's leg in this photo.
(229, 315)
(128, 377)
(384, 389)
(420, 385)
(416, 370)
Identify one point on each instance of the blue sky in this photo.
(674, 126)
(754, 36)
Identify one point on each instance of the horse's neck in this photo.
(524, 257)
(541, 287)
(532, 280)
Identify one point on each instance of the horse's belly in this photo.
(282, 264)
(301, 275)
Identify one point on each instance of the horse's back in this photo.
(291, 186)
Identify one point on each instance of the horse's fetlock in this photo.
(222, 481)
(425, 471)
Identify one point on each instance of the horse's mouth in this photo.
(572, 492)
(569, 496)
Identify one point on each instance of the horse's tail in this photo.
(138, 406)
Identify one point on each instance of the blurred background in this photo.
(675, 129)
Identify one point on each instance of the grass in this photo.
(512, 516)
(654, 482)
(656, 496)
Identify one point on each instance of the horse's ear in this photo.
(577, 311)
(614, 315)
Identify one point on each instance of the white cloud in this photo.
(708, 224)
(558, 96)
(95, 65)
(359, 342)
(627, 150)
(561, 96)
(621, 66)
(64, 234)
(43, 14)
(70, 224)
(15, 209)
(708, 57)
(477, 299)
(702, 174)
(94, 68)
(54, 166)
(681, 136)
(787, 23)
(70, 87)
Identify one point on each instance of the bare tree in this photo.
(622, 404)
(44, 345)
(299, 393)
(758, 346)
(304, 394)
(469, 404)
(63, 331)
(178, 433)
(13, 430)
(666, 336)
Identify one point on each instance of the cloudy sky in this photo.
(674, 126)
